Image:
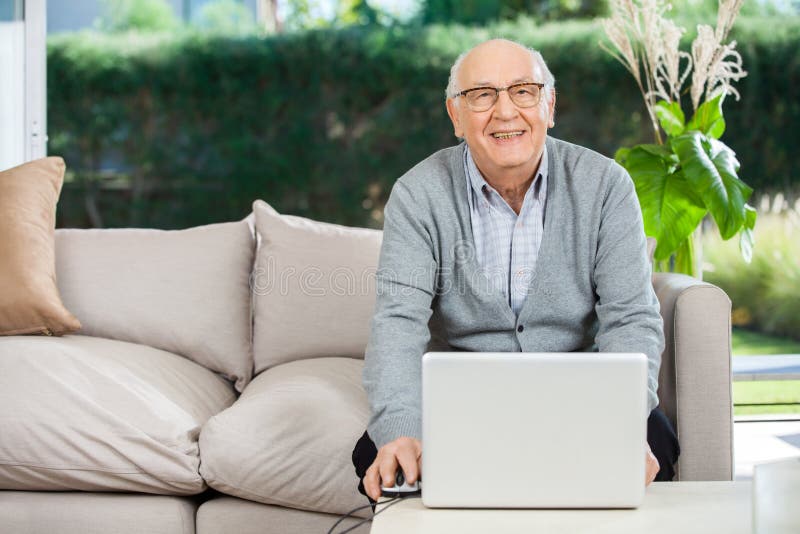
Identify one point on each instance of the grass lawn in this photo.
(766, 391)
(747, 343)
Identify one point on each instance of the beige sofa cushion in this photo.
(314, 288)
(228, 515)
(288, 439)
(71, 512)
(29, 300)
(92, 414)
(184, 291)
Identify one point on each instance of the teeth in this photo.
(506, 135)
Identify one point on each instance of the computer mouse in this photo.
(401, 487)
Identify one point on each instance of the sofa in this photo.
(214, 385)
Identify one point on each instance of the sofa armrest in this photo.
(695, 379)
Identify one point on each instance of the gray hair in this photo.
(452, 83)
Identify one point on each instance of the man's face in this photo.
(500, 64)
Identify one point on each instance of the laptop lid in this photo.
(533, 430)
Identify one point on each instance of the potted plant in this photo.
(688, 172)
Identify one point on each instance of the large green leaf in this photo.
(662, 152)
(621, 155)
(708, 118)
(747, 241)
(710, 167)
(750, 216)
(670, 116)
(746, 237)
(670, 208)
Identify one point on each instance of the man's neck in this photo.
(512, 184)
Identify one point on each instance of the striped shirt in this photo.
(506, 244)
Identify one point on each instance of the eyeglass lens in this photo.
(523, 95)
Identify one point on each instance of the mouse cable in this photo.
(354, 510)
(389, 502)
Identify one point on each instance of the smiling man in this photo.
(510, 241)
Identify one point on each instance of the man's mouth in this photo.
(507, 135)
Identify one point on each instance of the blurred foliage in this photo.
(764, 292)
(746, 342)
(179, 129)
(758, 8)
(228, 17)
(142, 15)
(358, 12)
(301, 15)
(483, 11)
(309, 14)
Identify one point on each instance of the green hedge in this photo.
(176, 130)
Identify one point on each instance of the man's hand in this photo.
(651, 466)
(405, 452)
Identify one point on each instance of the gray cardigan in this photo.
(591, 288)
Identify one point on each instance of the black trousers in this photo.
(660, 436)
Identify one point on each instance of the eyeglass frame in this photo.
(497, 91)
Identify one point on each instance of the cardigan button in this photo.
(520, 328)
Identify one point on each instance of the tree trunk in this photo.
(267, 14)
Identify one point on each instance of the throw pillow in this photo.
(183, 291)
(288, 439)
(29, 299)
(313, 288)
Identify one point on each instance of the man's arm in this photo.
(627, 308)
(398, 338)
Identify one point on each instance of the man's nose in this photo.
(504, 108)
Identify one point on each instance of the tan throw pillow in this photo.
(29, 299)
(184, 291)
(314, 288)
(289, 438)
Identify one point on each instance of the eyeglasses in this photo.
(524, 95)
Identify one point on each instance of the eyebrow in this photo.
(483, 83)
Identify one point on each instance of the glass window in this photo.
(12, 84)
(10, 10)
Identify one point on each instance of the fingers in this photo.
(651, 467)
(387, 468)
(373, 480)
(381, 473)
(404, 453)
(408, 459)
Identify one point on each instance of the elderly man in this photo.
(512, 241)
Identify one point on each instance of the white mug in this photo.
(776, 497)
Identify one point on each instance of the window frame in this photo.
(35, 16)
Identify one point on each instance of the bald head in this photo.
(483, 56)
(506, 140)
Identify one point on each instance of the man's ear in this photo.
(452, 111)
(551, 109)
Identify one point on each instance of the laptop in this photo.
(533, 430)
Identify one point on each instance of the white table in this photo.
(669, 508)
